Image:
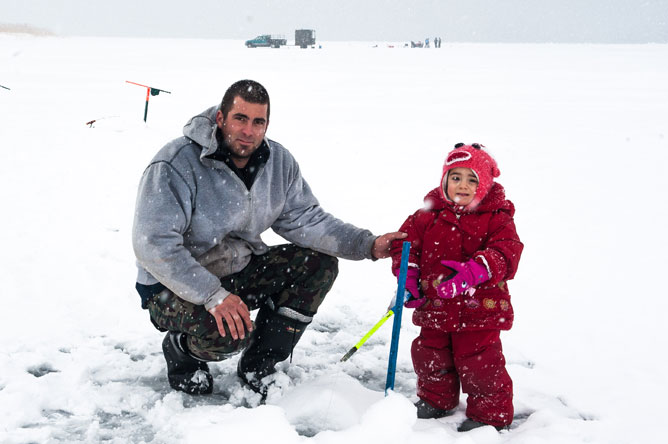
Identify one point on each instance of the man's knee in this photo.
(315, 275)
(328, 268)
(206, 343)
(331, 263)
(323, 270)
(214, 347)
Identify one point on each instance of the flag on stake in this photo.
(150, 91)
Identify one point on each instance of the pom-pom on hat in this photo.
(483, 165)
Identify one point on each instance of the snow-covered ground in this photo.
(581, 136)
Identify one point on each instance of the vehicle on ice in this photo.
(304, 37)
(266, 41)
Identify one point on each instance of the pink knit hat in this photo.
(483, 165)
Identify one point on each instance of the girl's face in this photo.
(461, 185)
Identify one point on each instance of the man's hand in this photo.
(235, 314)
(382, 244)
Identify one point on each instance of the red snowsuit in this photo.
(460, 337)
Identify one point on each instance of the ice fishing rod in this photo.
(385, 317)
(150, 91)
(357, 346)
(1, 86)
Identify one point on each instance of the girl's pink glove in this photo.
(412, 287)
(468, 275)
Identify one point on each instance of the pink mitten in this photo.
(413, 299)
(468, 275)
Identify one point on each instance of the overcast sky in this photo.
(609, 21)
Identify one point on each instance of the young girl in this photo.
(464, 249)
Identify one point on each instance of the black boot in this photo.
(470, 424)
(184, 372)
(427, 411)
(271, 342)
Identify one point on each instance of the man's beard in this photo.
(227, 148)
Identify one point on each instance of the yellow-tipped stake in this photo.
(357, 346)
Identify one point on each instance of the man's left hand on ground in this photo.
(382, 244)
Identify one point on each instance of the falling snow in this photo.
(80, 361)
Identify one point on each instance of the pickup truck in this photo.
(266, 41)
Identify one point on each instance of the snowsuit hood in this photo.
(479, 161)
(494, 200)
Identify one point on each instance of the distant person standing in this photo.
(426, 42)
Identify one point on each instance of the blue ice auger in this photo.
(396, 327)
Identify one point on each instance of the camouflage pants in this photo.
(288, 278)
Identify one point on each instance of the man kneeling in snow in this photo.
(202, 204)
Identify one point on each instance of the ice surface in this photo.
(580, 134)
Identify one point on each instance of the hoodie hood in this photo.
(202, 129)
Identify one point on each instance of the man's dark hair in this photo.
(249, 90)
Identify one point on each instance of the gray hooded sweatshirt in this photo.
(195, 220)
